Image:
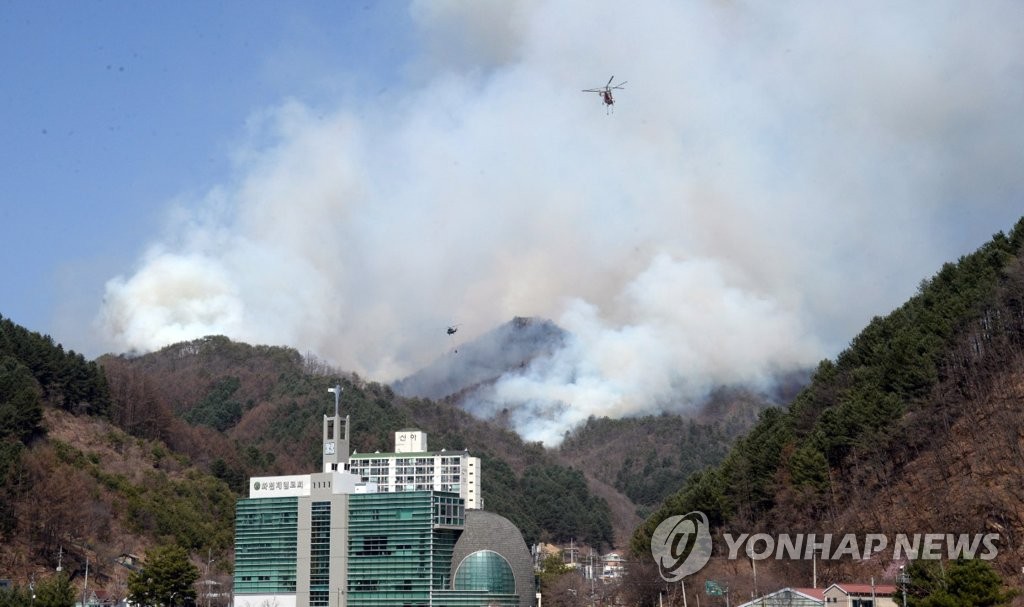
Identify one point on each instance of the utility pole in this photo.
(85, 586)
(903, 583)
(753, 566)
(209, 561)
(592, 575)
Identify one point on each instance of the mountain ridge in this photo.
(511, 345)
(921, 409)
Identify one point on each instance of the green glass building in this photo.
(400, 546)
(266, 536)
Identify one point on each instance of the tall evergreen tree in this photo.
(55, 591)
(168, 578)
(20, 410)
(962, 583)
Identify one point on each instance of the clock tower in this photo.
(335, 439)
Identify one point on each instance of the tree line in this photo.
(895, 387)
(34, 370)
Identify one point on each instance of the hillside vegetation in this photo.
(77, 486)
(916, 426)
(648, 458)
(112, 457)
(266, 404)
(36, 373)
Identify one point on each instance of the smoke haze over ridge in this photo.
(771, 178)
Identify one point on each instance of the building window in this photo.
(374, 545)
(320, 554)
(485, 570)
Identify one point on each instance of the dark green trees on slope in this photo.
(21, 409)
(549, 503)
(968, 311)
(54, 591)
(34, 370)
(168, 578)
(962, 583)
(66, 379)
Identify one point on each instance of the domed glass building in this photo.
(485, 570)
(491, 561)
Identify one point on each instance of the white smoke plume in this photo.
(772, 176)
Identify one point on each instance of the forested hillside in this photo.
(78, 487)
(35, 372)
(267, 405)
(118, 455)
(916, 426)
(648, 458)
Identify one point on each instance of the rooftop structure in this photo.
(790, 597)
(836, 595)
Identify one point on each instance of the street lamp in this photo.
(903, 583)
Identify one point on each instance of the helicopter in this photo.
(452, 329)
(606, 92)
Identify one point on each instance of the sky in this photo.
(350, 179)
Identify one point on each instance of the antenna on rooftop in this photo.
(337, 397)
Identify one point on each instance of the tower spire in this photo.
(337, 397)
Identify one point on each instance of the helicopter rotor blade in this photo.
(610, 80)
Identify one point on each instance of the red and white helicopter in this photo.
(606, 92)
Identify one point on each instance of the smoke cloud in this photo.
(771, 177)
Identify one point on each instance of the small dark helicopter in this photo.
(452, 329)
(606, 92)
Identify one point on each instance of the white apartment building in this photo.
(412, 467)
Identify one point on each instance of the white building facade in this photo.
(412, 467)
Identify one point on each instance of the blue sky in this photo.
(112, 109)
(351, 178)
